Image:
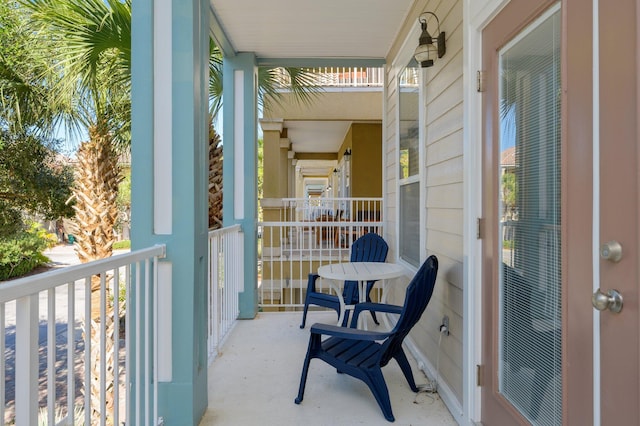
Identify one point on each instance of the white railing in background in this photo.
(309, 233)
(35, 371)
(349, 77)
(331, 209)
(226, 281)
(340, 77)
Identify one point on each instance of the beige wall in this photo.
(365, 142)
(442, 184)
(366, 166)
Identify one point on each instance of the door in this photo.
(537, 241)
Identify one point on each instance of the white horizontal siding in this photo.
(442, 185)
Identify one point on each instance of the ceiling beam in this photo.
(316, 155)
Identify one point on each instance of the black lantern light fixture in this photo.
(426, 51)
(347, 154)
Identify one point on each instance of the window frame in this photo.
(407, 60)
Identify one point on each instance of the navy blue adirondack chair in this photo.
(362, 354)
(368, 248)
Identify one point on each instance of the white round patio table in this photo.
(362, 272)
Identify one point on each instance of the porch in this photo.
(255, 379)
(253, 369)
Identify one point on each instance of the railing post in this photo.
(26, 394)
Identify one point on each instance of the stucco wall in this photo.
(365, 142)
(441, 185)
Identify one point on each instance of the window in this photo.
(409, 165)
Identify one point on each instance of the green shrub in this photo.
(124, 244)
(23, 253)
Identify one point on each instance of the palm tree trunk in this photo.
(215, 179)
(95, 190)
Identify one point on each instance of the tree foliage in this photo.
(31, 180)
(509, 190)
(23, 253)
(92, 56)
(25, 81)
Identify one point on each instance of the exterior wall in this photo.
(441, 185)
(365, 142)
(366, 160)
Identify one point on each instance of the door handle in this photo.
(611, 300)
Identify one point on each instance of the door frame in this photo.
(476, 16)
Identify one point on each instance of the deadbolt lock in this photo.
(612, 251)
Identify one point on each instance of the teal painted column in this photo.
(240, 166)
(169, 189)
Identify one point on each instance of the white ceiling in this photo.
(310, 33)
(311, 28)
(316, 136)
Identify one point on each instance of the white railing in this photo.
(309, 233)
(226, 282)
(55, 375)
(350, 77)
(331, 209)
(340, 77)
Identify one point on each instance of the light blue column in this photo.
(183, 217)
(240, 166)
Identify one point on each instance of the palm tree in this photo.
(94, 60)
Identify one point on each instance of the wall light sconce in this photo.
(426, 51)
(335, 172)
(347, 154)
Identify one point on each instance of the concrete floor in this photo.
(255, 379)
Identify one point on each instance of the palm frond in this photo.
(215, 79)
(301, 82)
(93, 57)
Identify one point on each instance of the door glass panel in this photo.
(530, 217)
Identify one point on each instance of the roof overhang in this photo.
(309, 32)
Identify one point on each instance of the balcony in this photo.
(255, 380)
(254, 366)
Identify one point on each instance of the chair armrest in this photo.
(376, 307)
(347, 333)
(311, 282)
